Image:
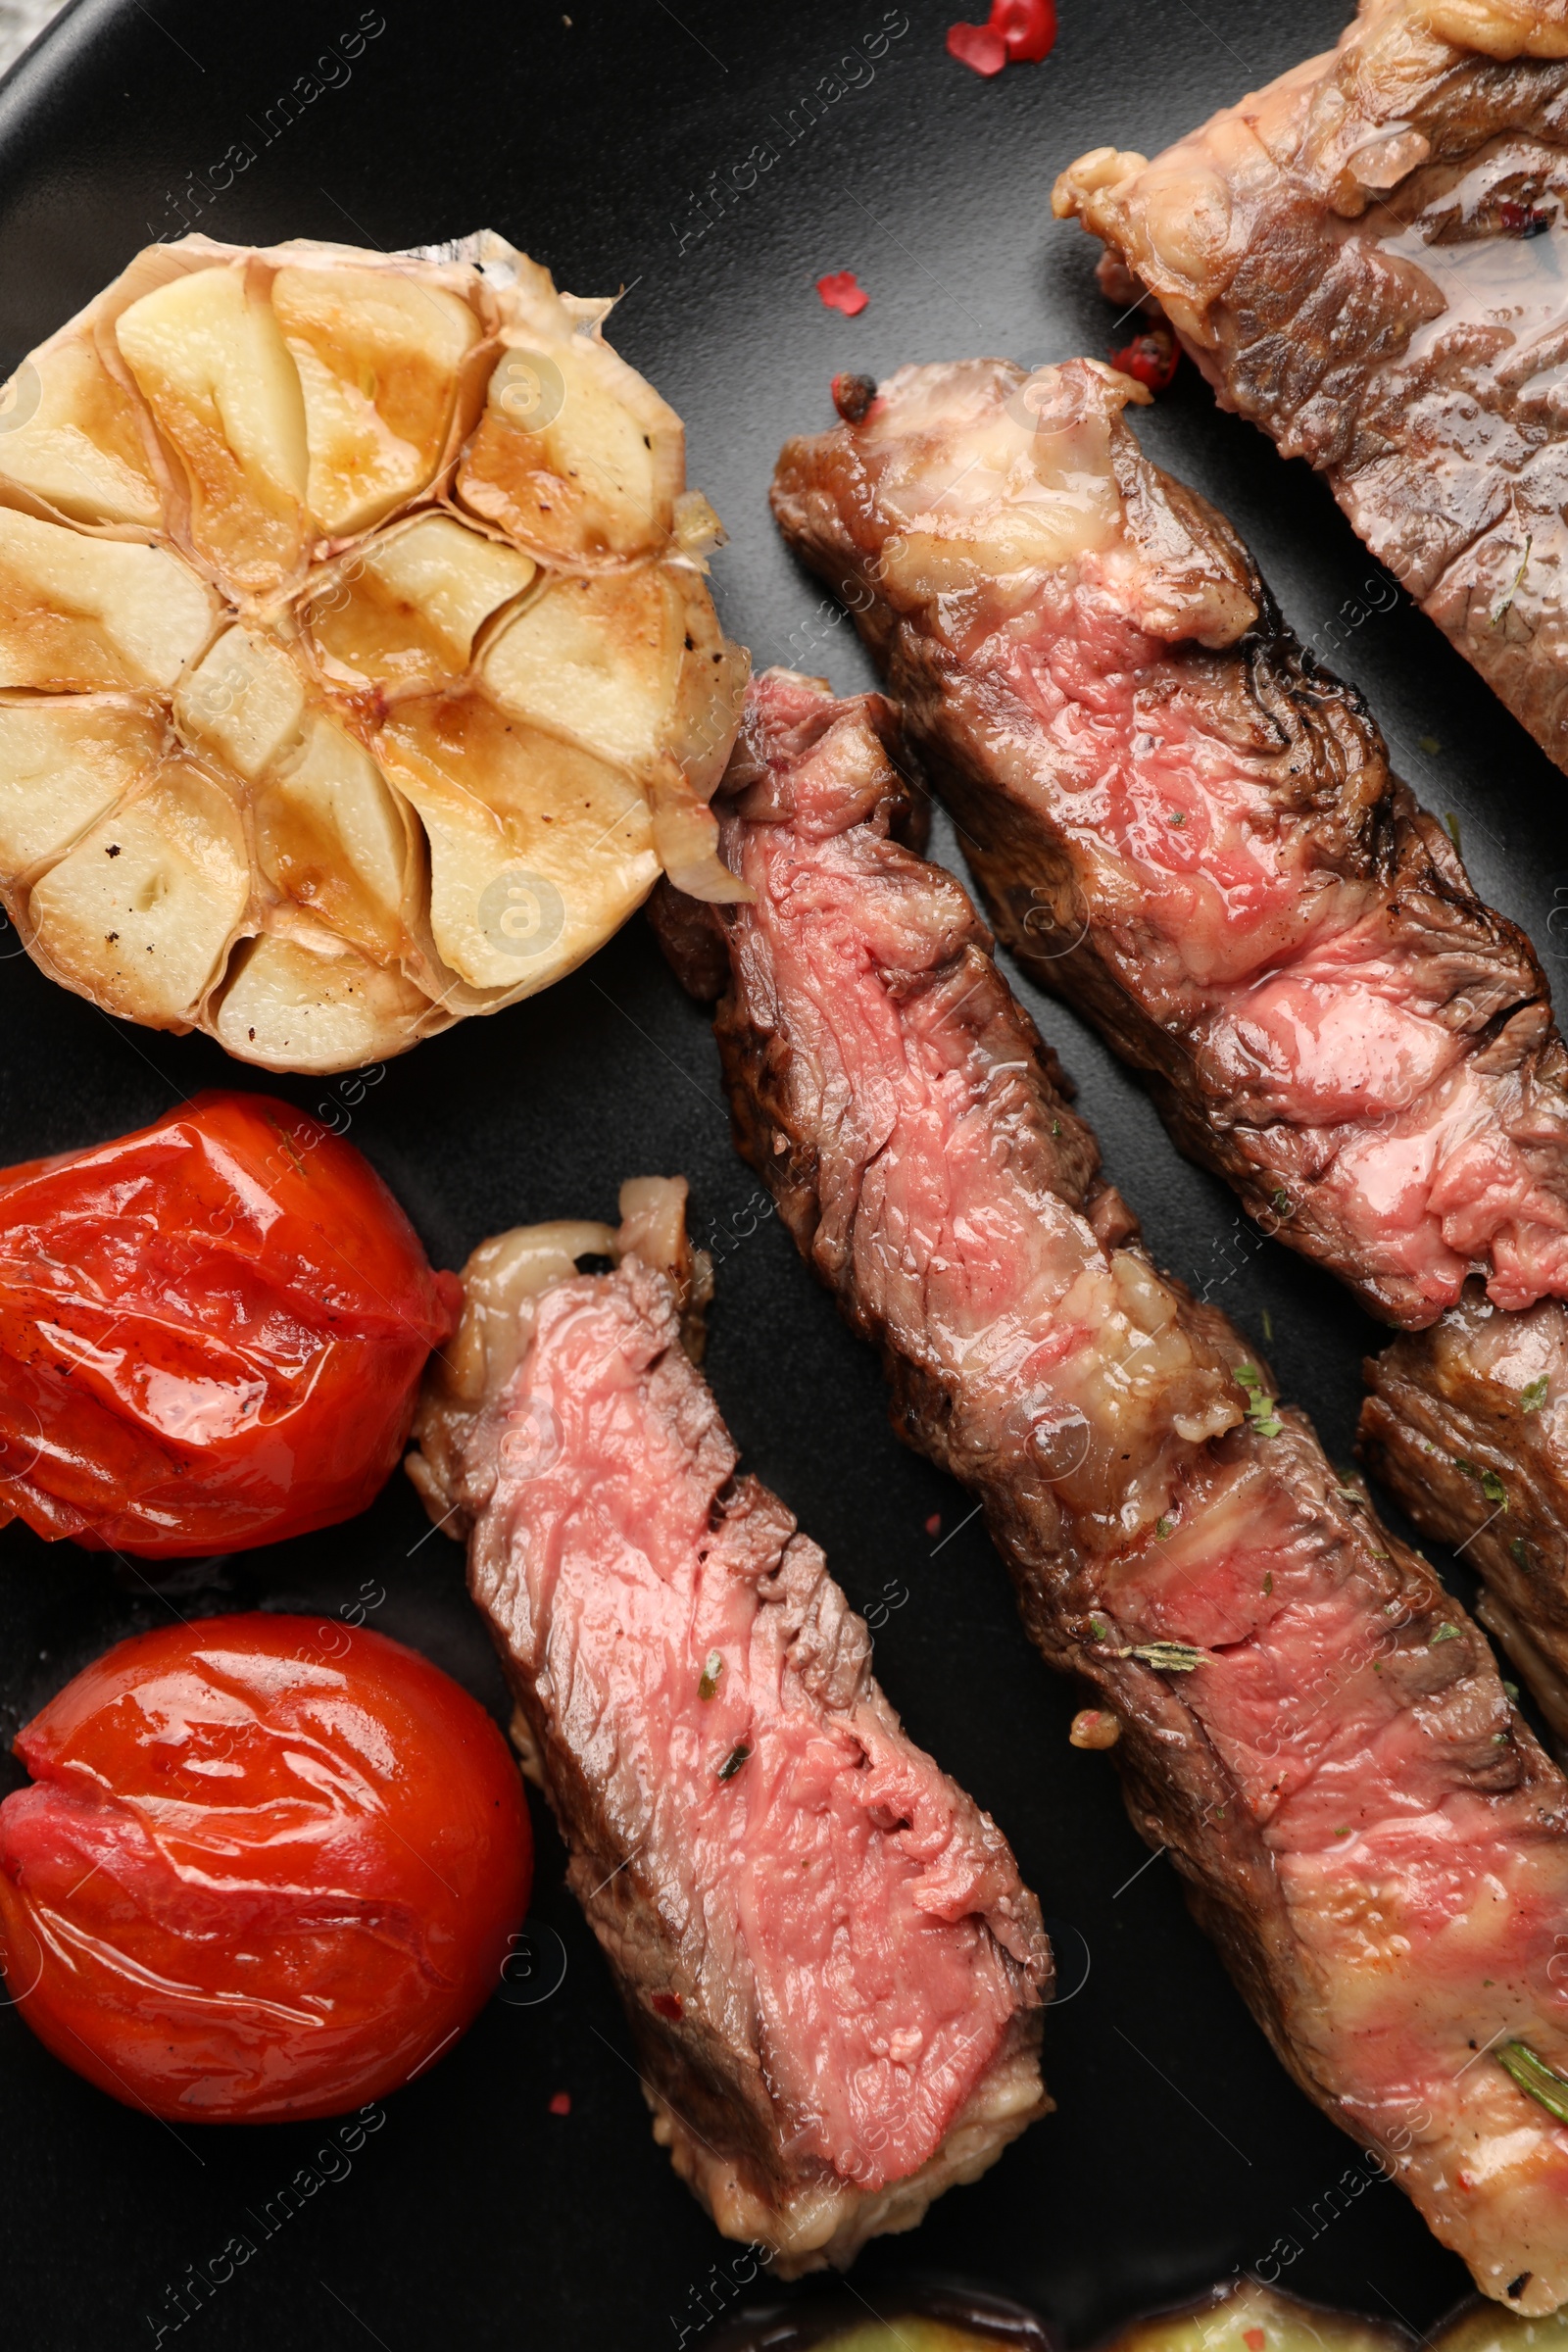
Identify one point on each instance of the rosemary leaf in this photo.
(1169, 1657)
(1541, 2081)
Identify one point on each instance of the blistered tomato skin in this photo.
(210, 1332)
(268, 1867)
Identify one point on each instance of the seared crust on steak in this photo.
(1308, 1723)
(832, 1970)
(1367, 260)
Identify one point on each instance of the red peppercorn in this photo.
(977, 46)
(1150, 357)
(853, 395)
(840, 291)
(1028, 28)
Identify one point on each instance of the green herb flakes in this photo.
(1268, 1583)
(1444, 1633)
(1452, 824)
(1519, 1552)
(1533, 1396)
(1430, 745)
(1512, 1690)
(708, 1687)
(1490, 1485)
(1162, 1528)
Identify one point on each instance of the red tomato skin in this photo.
(210, 1332)
(268, 1868)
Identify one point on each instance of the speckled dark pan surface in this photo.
(474, 2217)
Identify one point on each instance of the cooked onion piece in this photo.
(357, 668)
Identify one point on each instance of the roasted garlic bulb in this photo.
(357, 668)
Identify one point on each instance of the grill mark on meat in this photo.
(1366, 259)
(1377, 1845)
(832, 1970)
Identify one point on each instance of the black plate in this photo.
(602, 142)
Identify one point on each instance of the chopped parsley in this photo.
(1519, 1552)
(1162, 1528)
(1260, 1406)
(1268, 1583)
(1444, 1633)
(1534, 1394)
(1490, 1485)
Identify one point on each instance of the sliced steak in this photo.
(1309, 1724)
(1199, 844)
(1369, 259)
(832, 1970)
(1188, 829)
(1468, 1425)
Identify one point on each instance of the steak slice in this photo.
(1182, 824)
(1191, 831)
(1312, 1727)
(1367, 260)
(833, 1971)
(1468, 1425)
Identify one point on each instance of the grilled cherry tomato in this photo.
(268, 1868)
(210, 1332)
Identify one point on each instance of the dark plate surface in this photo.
(474, 2216)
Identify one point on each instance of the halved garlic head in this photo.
(357, 668)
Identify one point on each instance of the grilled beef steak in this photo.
(1468, 1424)
(1191, 831)
(1367, 259)
(1308, 1723)
(831, 1967)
